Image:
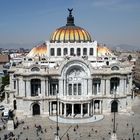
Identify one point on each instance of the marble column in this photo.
(100, 106)
(81, 110)
(72, 110)
(28, 87)
(121, 87)
(60, 87)
(88, 109)
(47, 88)
(65, 110)
(102, 86)
(107, 86)
(50, 108)
(93, 107)
(43, 87)
(89, 86)
(58, 108)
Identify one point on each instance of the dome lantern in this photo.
(70, 32)
(70, 18)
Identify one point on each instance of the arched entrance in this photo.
(36, 109)
(114, 106)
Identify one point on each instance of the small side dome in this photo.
(103, 51)
(38, 51)
(70, 32)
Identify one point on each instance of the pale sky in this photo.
(32, 21)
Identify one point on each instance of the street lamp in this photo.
(57, 127)
(114, 135)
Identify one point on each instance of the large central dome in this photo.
(70, 32)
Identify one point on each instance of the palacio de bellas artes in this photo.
(70, 75)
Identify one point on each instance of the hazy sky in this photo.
(32, 21)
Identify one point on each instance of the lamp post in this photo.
(114, 135)
(57, 127)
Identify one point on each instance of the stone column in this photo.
(124, 86)
(50, 108)
(88, 109)
(102, 86)
(81, 110)
(97, 89)
(60, 92)
(121, 87)
(58, 111)
(65, 110)
(60, 108)
(47, 88)
(72, 110)
(100, 106)
(93, 107)
(28, 87)
(89, 86)
(65, 89)
(43, 87)
(107, 86)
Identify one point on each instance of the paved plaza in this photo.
(42, 128)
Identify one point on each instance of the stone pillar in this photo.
(102, 86)
(100, 106)
(72, 110)
(88, 109)
(58, 108)
(60, 92)
(65, 89)
(43, 87)
(124, 87)
(28, 87)
(97, 89)
(81, 110)
(121, 87)
(50, 108)
(47, 88)
(107, 86)
(89, 86)
(21, 87)
(65, 110)
(93, 107)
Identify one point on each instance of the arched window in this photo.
(84, 51)
(65, 51)
(115, 68)
(71, 51)
(58, 51)
(35, 69)
(91, 51)
(78, 51)
(52, 52)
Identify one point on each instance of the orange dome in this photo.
(70, 32)
(40, 51)
(103, 51)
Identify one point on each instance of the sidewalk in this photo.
(94, 118)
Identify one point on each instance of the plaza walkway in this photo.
(94, 118)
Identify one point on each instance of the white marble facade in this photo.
(75, 85)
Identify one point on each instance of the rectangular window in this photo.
(14, 84)
(79, 89)
(70, 89)
(52, 52)
(78, 51)
(65, 51)
(58, 51)
(91, 51)
(75, 89)
(71, 51)
(84, 51)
